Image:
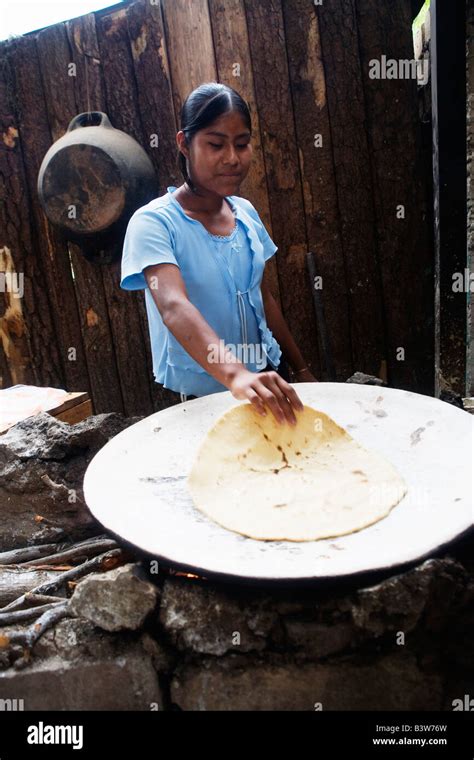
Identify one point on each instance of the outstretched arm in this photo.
(197, 337)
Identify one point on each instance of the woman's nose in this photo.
(230, 156)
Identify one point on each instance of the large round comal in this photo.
(142, 485)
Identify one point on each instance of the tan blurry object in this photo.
(277, 482)
(21, 401)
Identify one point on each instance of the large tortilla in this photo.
(296, 483)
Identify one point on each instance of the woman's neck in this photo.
(202, 202)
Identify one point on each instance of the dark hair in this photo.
(202, 107)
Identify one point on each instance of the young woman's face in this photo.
(219, 155)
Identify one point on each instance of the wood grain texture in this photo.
(303, 71)
(316, 165)
(277, 130)
(154, 96)
(126, 310)
(234, 68)
(62, 104)
(404, 245)
(345, 95)
(54, 289)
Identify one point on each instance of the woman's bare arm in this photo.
(198, 338)
(186, 322)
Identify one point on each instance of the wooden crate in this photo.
(77, 407)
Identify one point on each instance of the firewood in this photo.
(35, 600)
(29, 553)
(31, 635)
(83, 550)
(102, 561)
(18, 616)
(16, 581)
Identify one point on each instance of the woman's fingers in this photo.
(281, 403)
(279, 396)
(271, 401)
(290, 393)
(267, 389)
(256, 402)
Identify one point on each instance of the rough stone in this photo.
(42, 466)
(432, 590)
(116, 600)
(77, 666)
(363, 379)
(164, 658)
(128, 682)
(203, 619)
(458, 641)
(78, 639)
(317, 640)
(393, 682)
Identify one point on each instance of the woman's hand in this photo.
(305, 377)
(267, 388)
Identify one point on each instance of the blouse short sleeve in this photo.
(269, 247)
(148, 240)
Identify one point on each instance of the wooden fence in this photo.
(339, 168)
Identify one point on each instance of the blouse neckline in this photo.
(196, 221)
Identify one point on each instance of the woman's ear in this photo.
(181, 143)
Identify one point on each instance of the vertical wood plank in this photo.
(55, 61)
(190, 48)
(404, 237)
(53, 289)
(155, 103)
(275, 109)
(315, 151)
(470, 197)
(16, 361)
(153, 87)
(347, 115)
(234, 67)
(448, 87)
(121, 309)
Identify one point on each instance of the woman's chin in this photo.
(230, 183)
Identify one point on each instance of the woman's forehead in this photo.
(231, 124)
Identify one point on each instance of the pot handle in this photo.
(90, 119)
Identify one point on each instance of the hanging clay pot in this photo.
(91, 181)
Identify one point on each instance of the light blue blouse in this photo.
(222, 275)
